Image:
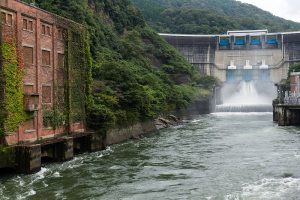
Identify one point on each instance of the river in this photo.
(215, 156)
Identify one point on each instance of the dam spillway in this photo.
(246, 96)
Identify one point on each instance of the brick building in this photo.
(41, 42)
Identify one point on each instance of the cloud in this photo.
(287, 9)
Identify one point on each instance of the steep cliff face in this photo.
(134, 69)
(209, 16)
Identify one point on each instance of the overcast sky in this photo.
(288, 9)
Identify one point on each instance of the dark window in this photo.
(48, 31)
(27, 25)
(28, 55)
(30, 25)
(24, 24)
(6, 18)
(3, 17)
(46, 94)
(9, 19)
(46, 58)
(43, 29)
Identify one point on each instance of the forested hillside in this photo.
(136, 74)
(209, 16)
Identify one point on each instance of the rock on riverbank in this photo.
(166, 122)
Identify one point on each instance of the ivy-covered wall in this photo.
(78, 67)
(73, 92)
(12, 107)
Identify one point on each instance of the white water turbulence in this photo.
(247, 96)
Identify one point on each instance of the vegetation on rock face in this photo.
(209, 16)
(135, 72)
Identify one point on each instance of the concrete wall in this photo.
(199, 51)
(115, 136)
(273, 58)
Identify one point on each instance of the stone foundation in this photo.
(28, 158)
(286, 115)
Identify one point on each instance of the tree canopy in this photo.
(209, 16)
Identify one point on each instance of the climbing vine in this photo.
(12, 74)
(80, 63)
(73, 91)
(53, 118)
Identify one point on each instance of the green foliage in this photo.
(78, 63)
(13, 113)
(209, 16)
(183, 95)
(3, 149)
(134, 70)
(206, 81)
(53, 118)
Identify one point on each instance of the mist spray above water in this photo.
(247, 96)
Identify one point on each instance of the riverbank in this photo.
(28, 158)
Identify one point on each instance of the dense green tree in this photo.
(209, 16)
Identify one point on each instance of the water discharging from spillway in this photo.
(247, 96)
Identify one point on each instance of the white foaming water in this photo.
(56, 175)
(247, 95)
(2, 196)
(267, 189)
(245, 98)
(26, 195)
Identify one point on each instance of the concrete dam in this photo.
(248, 63)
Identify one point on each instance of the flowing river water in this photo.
(215, 156)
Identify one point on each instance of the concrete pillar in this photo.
(263, 40)
(232, 42)
(28, 158)
(282, 116)
(248, 41)
(96, 142)
(294, 117)
(7, 158)
(82, 144)
(275, 113)
(66, 151)
(289, 117)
